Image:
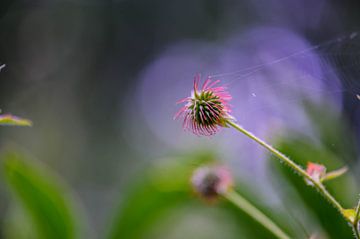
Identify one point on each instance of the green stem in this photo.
(320, 187)
(356, 221)
(255, 213)
(356, 232)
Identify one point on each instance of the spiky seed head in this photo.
(207, 109)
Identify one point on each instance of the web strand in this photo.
(337, 59)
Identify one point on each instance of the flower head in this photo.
(315, 171)
(211, 181)
(207, 109)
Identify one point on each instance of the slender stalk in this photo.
(356, 221)
(320, 187)
(356, 231)
(255, 213)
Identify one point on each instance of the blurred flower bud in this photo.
(316, 172)
(211, 181)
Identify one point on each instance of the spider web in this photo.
(334, 64)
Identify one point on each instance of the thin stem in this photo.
(356, 231)
(292, 165)
(255, 213)
(356, 221)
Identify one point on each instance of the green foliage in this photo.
(42, 197)
(327, 216)
(17, 224)
(330, 151)
(156, 192)
(160, 199)
(165, 189)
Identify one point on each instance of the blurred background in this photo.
(100, 80)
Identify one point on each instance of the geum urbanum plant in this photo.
(206, 111)
(211, 181)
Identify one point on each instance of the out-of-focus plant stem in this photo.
(283, 158)
(255, 213)
(356, 221)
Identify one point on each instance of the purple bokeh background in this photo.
(266, 99)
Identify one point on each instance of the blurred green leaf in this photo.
(332, 151)
(11, 120)
(42, 197)
(329, 218)
(164, 189)
(17, 224)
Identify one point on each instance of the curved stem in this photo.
(255, 213)
(320, 187)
